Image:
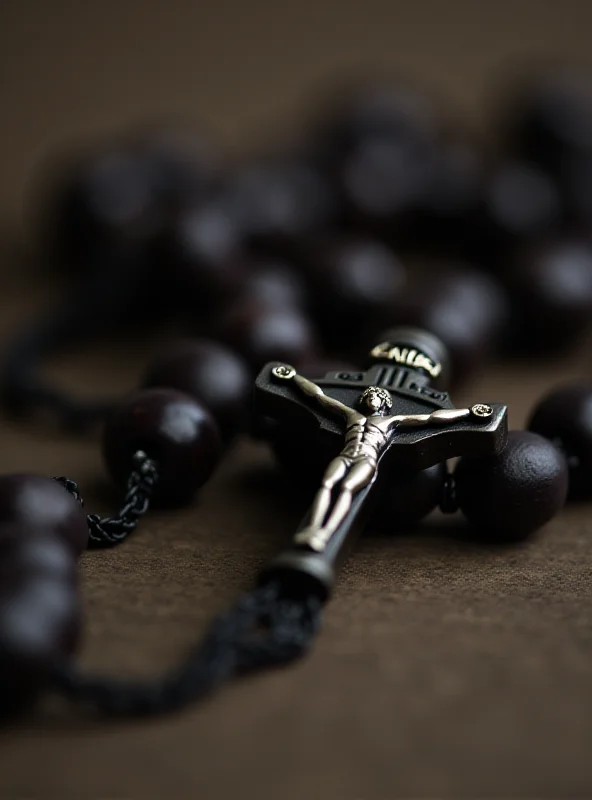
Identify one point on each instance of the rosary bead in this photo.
(178, 432)
(508, 496)
(280, 201)
(206, 249)
(451, 201)
(26, 550)
(565, 417)
(99, 202)
(550, 116)
(550, 288)
(263, 334)
(211, 374)
(38, 502)
(274, 285)
(405, 499)
(520, 203)
(183, 162)
(465, 309)
(378, 107)
(39, 613)
(354, 283)
(382, 180)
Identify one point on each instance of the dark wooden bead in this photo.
(98, 203)
(207, 255)
(273, 284)
(464, 308)
(184, 162)
(210, 373)
(520, 204)
(550, 288)
(508, 496)
(451, 201)
(382, 180)
(549, 116)
(405, 499)
(280, 201)
(172, 428)
(564, 416)
(40, 613)
(369, 108)
(41, 503)
(263, 334)
(355, 284)
(27, 550)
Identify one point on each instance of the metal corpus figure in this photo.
(425, 429)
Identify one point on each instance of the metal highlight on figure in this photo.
(368, 432)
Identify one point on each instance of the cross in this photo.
(389, 411)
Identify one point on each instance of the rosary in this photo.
(263, 263)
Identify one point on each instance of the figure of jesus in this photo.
(368, 432)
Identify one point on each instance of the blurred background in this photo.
(289, 179)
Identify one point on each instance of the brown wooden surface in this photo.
(443, 670)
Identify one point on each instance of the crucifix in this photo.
(387, 412)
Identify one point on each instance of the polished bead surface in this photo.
(206, 251)
(41, 503)
(564, 416)
(521, 204)
(175, 430)
(40, 613)
(464, 308)
(100, 201)
(263, 334)
(550, 288)
(509, 496)
(550, 115)
(183, 161)
(279, 201)
(354, 284)
(273, 284)
(209, 372)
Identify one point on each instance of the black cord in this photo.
(110, 531)
(266, 628)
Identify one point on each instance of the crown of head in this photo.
(376, 399)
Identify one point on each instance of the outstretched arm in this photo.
(312, 390)
(439, 417)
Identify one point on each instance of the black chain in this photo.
(265, 628)
(110, 531)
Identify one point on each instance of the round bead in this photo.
(564, 416)
(551, 293)
(40, 613)
(378, 107)
(382, 180)
(280, 201)
(178, 432)
(211, 374)
(451, 201)
(99, 201)
(355, 283)
(207, 253)
(29, 551)
(510, 495)
(183, 162)
(41, 503)
(263, 334)
(520, 203)
(405, 499)
(550, 116)
(463, 308)
(273, 284)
